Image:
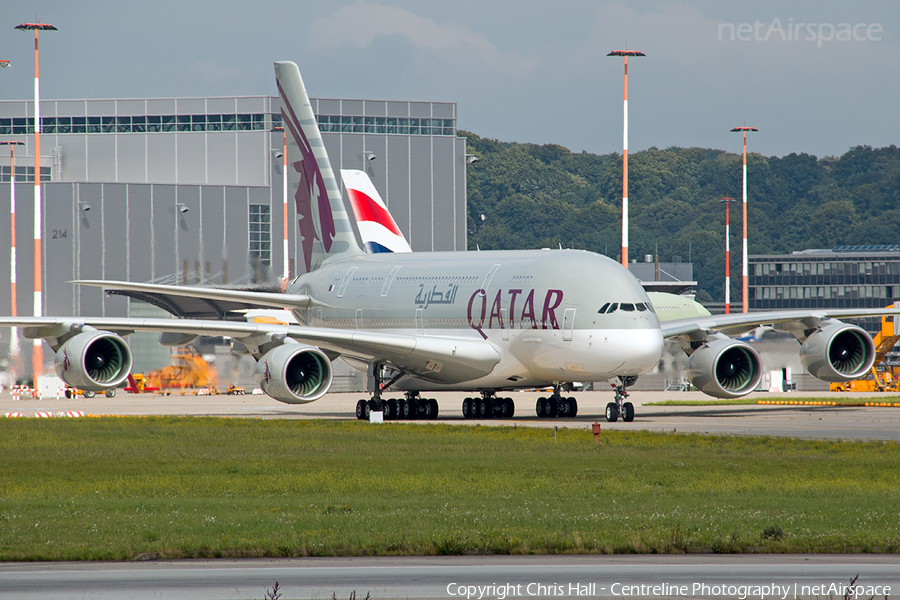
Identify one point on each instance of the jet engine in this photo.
(294, 373)
(93, 360)
(725, 368)
(837, 352)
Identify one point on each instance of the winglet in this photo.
(377, 228)
(325, 227)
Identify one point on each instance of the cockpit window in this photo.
(613, 308)
(626, 307)
(603, 308)
(641, 306)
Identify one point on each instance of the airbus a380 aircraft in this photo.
(484, 322)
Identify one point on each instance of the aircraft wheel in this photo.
(551, 408)
(110, 393)
(370, 406)
(510, 408)
(484, 409)
(391, 407)
(628, 409)
(539, 407)
(612, 413)
(89, 394)
(361, 412)
(431, 408)
(467, 408)
(573, 407)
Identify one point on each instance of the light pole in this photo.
(626, 54)
(37, 358)
(727, 202)
(14, 332)
(745, 269)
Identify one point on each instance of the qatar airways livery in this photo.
(420, 322)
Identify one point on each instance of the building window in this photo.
(261, 233)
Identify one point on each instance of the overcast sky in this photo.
(519, 70)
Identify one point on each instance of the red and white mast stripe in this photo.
(626, 54)
(745, 270)
(37, 357)
(14, 334)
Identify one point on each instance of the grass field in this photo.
(117, 488)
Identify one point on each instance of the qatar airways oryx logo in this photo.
(521, 310)
(267, 373)
(316, 221)
(66, 364)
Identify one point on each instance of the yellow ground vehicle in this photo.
(189, 373)
(74, 392)
(881, 377)
(235, 390)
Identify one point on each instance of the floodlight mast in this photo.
(625, 53)
(727, 202)
(14, 333)
(745, 268)
(37, 357)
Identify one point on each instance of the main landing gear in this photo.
(489, 406)
(408, 408)
(620, 407)
(556, 405)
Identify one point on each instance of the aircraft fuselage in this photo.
(538, 308)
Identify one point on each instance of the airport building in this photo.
(844, 277)
(189, 190)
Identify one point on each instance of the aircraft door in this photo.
(568, 324)
(345, 281)
(420, 321)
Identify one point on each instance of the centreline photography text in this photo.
(697, 589)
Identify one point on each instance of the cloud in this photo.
(360, 24)
(210, 71)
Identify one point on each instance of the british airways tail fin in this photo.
(326, 230)
(377, 228)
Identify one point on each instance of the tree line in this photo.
(545, 196)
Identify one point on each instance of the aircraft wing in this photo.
(200, 302)
(435, 358)
(735, 324)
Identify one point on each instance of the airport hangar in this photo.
(189, 191)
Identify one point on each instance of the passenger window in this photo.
(627, 307)
(603, 308)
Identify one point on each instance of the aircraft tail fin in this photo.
(377, 228)
(326, 230)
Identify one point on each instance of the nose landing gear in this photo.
(620, 407)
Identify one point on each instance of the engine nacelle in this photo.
(838, 352)
(725, 368)
(93, 360)
(294, 373)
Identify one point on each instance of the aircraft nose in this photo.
(641, 350)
